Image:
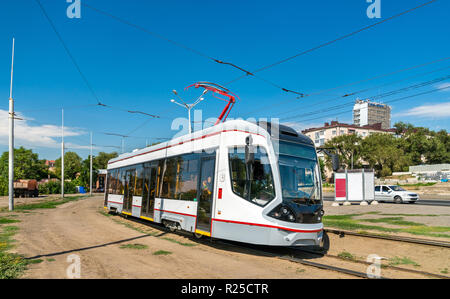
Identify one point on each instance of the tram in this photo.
(252, 182)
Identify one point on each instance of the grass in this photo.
(162, 252)
(47, 204)
(348, 222)
(347, 256)
(11, 265)
(418, 185)
(392, 220)
(134, 246)
(395, 261)
(4, 220)
(36, 261)
(51, 260)
(444, 271)
(180, 243)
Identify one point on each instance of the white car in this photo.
(395, 194)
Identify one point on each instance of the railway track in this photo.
(428, 274)
(391, 238)
(294, 255)
(256, 249)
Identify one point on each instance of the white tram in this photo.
(249, 182)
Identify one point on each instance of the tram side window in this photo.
(180, 177)
(120, 187)
(169, 178)
(139, 180)
(252, 182)
(111, 181)
(187, 178)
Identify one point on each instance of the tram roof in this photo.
(262, 128)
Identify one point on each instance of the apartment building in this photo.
(330, 130)
(366, 113)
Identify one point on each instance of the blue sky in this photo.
(133, 70)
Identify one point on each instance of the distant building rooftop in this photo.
(336, 124)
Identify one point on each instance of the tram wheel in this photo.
(198, 236)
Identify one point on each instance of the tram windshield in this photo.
(299, 171)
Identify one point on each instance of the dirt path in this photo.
(79, 228)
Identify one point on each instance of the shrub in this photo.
(55, 188)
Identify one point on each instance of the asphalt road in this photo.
(427, 202)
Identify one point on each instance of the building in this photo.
(370, 113)
(330, 130)
(51, 166)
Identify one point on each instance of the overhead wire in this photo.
(334, 40)
(390, 101)
(350, 84)
(77, 66)
(183, 46)
(379, 96)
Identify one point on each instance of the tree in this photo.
(383, 153)
(72, 166)
(101, 160)
(26, 166)
(348, 148)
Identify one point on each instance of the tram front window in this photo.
(299, 171)
(252, 182)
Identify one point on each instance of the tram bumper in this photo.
(282, 237)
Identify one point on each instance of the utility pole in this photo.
(11, 138)
(62, 156)
(90, 171)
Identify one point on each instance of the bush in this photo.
(55, 188)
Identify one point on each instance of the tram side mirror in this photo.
(335, 162)
(249, 151)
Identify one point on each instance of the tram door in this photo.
(206, 193)
(148, 199)
(130, 176)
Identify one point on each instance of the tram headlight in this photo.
(284, 213)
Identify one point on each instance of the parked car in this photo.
(394, 194)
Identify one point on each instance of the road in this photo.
(78, 228)
(427, 202)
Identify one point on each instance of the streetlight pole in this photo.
(90, 171)
(188, 107)
(62, 153)
(11, 138)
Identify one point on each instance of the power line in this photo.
(365, 90)
(351, 84)
(72, 58)
(334, 40)
(391, 101)
(383, 95)
(190, 49)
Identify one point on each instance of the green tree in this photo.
(72, 166)
(348, 147)
(101, 160)
(383, 153)
(26, 166)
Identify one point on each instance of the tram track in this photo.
(295, 254)
(436, 243)
(274, 252)
(395, 268)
